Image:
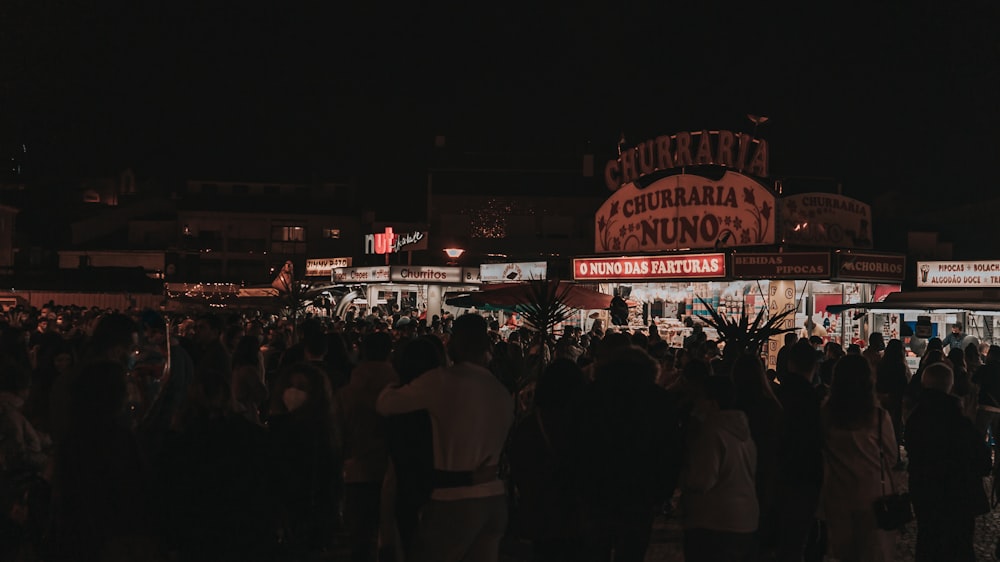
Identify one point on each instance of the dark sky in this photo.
(883, 98)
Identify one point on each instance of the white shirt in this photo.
(471, 414)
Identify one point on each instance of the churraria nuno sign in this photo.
(686, 211)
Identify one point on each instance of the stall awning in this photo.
(985, 300)
(514, 294)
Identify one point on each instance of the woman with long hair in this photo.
(891, 377)
(755, 397)
(831, 352)
(858, 441)
(962, 381)
(309, 485)
(410, 442)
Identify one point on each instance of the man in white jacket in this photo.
(471, 413)
(718, 495)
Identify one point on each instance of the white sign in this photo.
(781, 297)
(825, 219)
(686, 211)
(425, 274)
(324, 267)
(512, 272)
(958, 274)
(471, 276)
(361, 275)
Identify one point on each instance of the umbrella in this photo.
(512, 294)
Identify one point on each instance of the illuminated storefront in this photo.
(678, 195)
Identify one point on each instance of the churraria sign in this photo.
(686, 211)
(825, 219)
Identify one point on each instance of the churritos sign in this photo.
(691, 266)
(824, 219)
(737, 151)
(686, 211)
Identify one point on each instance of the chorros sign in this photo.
(689, 266)
(686, 211)
(389, 242)
(958, 274)
(870, 267)
(738, 151)
(825, 219)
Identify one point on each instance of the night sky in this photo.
(880, 99)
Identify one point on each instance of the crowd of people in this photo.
(223, 436)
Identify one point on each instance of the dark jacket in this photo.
(766, 420)
(626, 445)
(216, 491)
(947, 457)
(409, 440)
(540, 471)
(800, 462)
(988, 379)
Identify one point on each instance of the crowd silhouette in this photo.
(225, 436)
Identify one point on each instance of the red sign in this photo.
(801, 265)
(871, 267)
(696, 266)
(390, 242)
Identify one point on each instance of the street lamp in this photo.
(453, 254)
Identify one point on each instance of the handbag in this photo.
(892, 510)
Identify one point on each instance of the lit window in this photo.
(331, 233)
(288, 234)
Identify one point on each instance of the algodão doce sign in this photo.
(686, 211)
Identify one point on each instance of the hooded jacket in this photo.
(718, 491)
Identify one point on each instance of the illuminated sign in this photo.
(958, 274)
(791, 265)
(389, 242)
(738, 151)
(824, 219)
(324, 267)
(686, 211)
(691, 266)
(512, 272)
(425, 274)
(361, 275)
(870, 267)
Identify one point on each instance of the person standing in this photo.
(892, 376)
(954, 338)
(718, 496)
(948, 460)
(873, 353)
(471, 414)
(626, 454)
(366, 456)
(800, 462)
(859, 442)
(988, 378)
